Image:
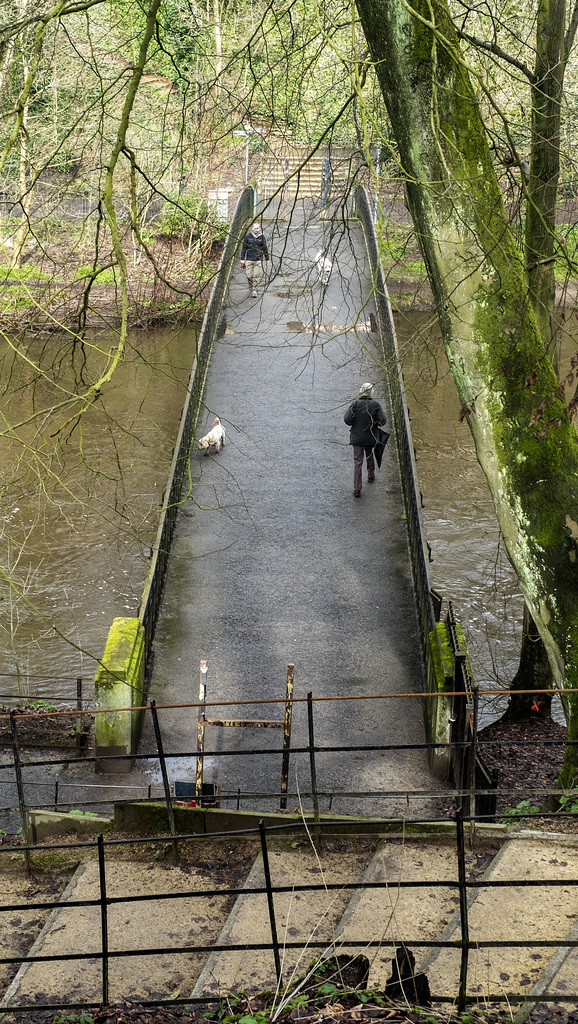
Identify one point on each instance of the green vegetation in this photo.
(106, 276)
(42, 705)
(568, 803)
(399, 251)
(521, 810)
(567, 262)
(187, 217)
(16, 299)
(26, 273)
(74, 1018)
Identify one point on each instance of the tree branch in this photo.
(569, 38)
(497, 50)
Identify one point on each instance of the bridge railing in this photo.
(452, 720)
(123, 671)
(418, 545)
(173, 498)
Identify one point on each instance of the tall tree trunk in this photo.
(534, 673)
(553, 45)
(546, 97)
(546, 100)
(25, 195)
(492, 339)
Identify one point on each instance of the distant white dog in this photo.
(324, 267)
(214, 439)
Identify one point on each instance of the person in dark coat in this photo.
(364, 416)
(253, 251)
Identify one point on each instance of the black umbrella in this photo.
(380, 446)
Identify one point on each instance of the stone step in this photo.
(513, 913)
(393, 914)
(300, 917)
(20, 928)
(307, 184)
(154, 923)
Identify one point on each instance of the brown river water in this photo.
(77, 526)
(77, 544)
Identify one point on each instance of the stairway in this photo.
(369, 921)
(299, 917)
(515, 913)
(292, 173)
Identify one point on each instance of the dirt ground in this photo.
(36, 727)
(526, 772)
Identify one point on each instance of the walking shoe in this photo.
(370, 479)
(357, 494)
(253, 295)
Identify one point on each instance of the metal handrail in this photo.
(418, 545)
(172, 499)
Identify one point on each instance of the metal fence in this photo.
(462, 885)
(473, 792)
(311, 753)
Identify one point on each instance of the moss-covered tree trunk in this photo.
(525, 441)
(546, 97)
(546, 93)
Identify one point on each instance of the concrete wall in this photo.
(45, 824)
(119, 684)
(438, 711)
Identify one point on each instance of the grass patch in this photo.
(26, 273)
(107, 276)
(399, 251)
(15, 298)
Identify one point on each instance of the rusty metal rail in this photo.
(245, 723)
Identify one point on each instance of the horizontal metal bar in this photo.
(247, 947)
(392, 885)
(244, 723)
(419, 695)
(379, 747)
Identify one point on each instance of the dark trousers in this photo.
(358, 452)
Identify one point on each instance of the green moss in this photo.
(119, 683)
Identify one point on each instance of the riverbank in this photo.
(528, 756)
(71, 283)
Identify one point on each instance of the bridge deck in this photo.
(274, 560)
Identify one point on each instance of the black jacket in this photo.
(364, 416)
(254, 247)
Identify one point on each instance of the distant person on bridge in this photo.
(253, 251)
(364, 416)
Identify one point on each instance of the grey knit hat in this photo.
(366, 391)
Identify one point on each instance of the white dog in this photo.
(214, 439)
(324, 267)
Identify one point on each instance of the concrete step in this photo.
(391, 914)
(20, 928)
(154, 923)
(514, 913)
(309, 182)
(300, 917)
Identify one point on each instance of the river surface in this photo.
(78, 521)
(76, 539)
